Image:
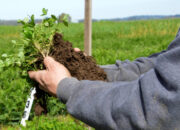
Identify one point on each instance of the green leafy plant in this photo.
(35, 43)
(37, 39)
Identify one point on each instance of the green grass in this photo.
(110, 40)
(8, 33)
(125, 40)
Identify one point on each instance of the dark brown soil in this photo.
(80, 66)
(40, 106)
(38, 109)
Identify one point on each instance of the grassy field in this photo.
(111, 41)
(123, 40)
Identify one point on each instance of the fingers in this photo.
(77, 49)
(42, 88)
(49, 63)
(32, 74)
(85, 54)
(37, 76)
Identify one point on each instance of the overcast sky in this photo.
(18, 9)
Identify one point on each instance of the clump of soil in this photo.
(80, 66)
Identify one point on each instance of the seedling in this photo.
(36, 42)
(37, 39)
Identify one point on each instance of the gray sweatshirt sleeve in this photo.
(128, 71)
(151, 102)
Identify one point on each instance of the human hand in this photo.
(49, 78)
(78, 50)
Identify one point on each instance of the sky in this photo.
(101, 9)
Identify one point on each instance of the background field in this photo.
(111, 41)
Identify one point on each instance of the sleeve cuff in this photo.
(65, 88)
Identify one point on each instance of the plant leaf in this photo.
(26, 20)
(66, 20)
(13, 41)
(21, 21)
(54, 17)
(44, 11)
(4, 55)
(32, 20)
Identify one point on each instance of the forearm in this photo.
(140, 104)
(150, 102)
(128, 71)
(89, 101)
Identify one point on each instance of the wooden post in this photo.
(88, 30)
(88, 27)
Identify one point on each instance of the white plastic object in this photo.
(28, 106)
